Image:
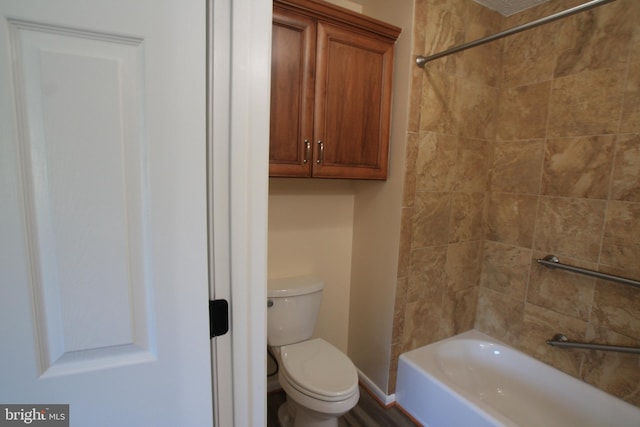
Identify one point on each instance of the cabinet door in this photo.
(292, 87)
(352, 104)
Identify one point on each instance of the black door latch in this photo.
(218, 317)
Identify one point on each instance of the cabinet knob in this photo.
(307, 151)
(321, 153)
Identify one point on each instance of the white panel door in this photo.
(103, 248)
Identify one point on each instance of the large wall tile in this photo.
(420, 16)
(570, 227)
(431, 214)
(530, 57)
(578, 167)
(466, 217)
(615, 373)
(588, 103)
(562, 291)
(475, 109)
(542, 10)
(631, 106)
(511, 218)
(600, 39)
(499, 316)
(406, 228)
(400, 305)
(622, 224)
(415, 99)
(616, 308)
(505, 269)
(620, 259)
(634, 12)
(437, 108)
(471, 170)
(436, 162)
(458, 311)
(444, 26)
(410, 177)
(479, 64)
(522, 112)
(427, 274)
(398, 328)
(626, 169)
(421, 324)
(540, 325)
(463, 265)
(517, 166)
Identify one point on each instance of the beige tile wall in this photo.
(451, 132)
(518, 149)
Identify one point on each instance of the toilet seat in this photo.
(319, 370)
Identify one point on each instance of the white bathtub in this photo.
(473, 380)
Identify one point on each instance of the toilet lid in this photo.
(315, 367)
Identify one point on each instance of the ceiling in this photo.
(504, 7)
(509, 7)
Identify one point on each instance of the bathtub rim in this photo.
(483, 409)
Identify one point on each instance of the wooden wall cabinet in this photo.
(331, 78)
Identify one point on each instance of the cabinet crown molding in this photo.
(340, 16)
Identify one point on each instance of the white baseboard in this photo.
(384, 398)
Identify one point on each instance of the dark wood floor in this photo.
(367, 413)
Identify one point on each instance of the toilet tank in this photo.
(292, 309)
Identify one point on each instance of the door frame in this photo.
(239, 75)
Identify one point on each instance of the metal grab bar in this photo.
(560, 340)
(552, 261)
(422, 60)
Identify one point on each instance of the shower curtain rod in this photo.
(422, 60)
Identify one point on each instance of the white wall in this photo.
(347, 4)
(377, 220)
(310, 233)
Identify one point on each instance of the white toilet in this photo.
(320, 381)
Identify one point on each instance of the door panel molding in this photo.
(82, 143)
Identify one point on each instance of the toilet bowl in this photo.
(321, 382)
